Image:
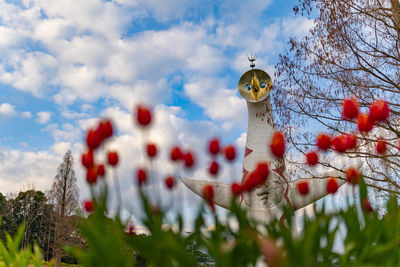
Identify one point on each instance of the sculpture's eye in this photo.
(262, 85)
(248, 87)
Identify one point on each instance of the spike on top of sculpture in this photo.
(266, 199)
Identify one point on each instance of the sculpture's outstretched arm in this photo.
(317, 189)
(222, 192)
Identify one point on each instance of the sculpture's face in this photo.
(255, 85)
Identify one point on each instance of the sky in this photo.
(65, 64)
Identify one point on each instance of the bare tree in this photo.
(64, 196)
(352, 49)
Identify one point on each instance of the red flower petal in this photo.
(351, 141)
(332, 186)
(353, 176)
(278, 144)
(381, 147)
(339, 143)
(91, 175)
(87, 159)
(213, 146)
(364, 123)
(189, 159)
(101, 171)
(366, 205)
(112, 158)
(379, 110)
(141, 176)
(151, 150)
(230, 153)
(88, 205)
(263, 171)
(208, 194)
(93, 139)
(312, 158)
(176, 154)
(169, 182)
(105, 128)
(323, 141)
(350, 108)
(302, 187)
(143, 116)
(237, 189)
(213, 169)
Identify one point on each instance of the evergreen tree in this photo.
(64, 198)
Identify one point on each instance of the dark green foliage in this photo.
(12, 255)
(31, 209)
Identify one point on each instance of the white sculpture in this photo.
(266, 201)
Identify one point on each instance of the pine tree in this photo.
(64, 196)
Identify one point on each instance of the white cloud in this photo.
(26, 114)
(8, 37)
(30, 71)
(60, 148)
(65, 132)
(19, 168)
(6, 109)
(43, 117)
(296, 27)
(217, 101)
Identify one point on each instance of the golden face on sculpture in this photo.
(255, 85)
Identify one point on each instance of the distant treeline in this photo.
(33, 209)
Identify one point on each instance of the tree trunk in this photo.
(58, 257)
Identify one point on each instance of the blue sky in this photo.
(65, 64)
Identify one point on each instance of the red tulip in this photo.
(151, 150)
(93, 139)
(87, 159)
(213, 146)
(189, 160)
(353, 176)
(350, 108)
(176, 154)
(143, 116)
(141, 176)
(366, 205)
(170, 182)
(254, 179)
(230, 153)
(364, 123)
(323, 141)
(263, 171)
(105, 128)
(101, 171)
(91, 175)
(112, 158)
(332, 186)
(213, 169)
(208, 194)
(302, 187)
(379, 110)
(381, 147)
(88, 206)
(340, 143)
(278, 144)
(237, 189)
(312, 158)
(351, 141)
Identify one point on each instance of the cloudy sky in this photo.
(64, 64)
